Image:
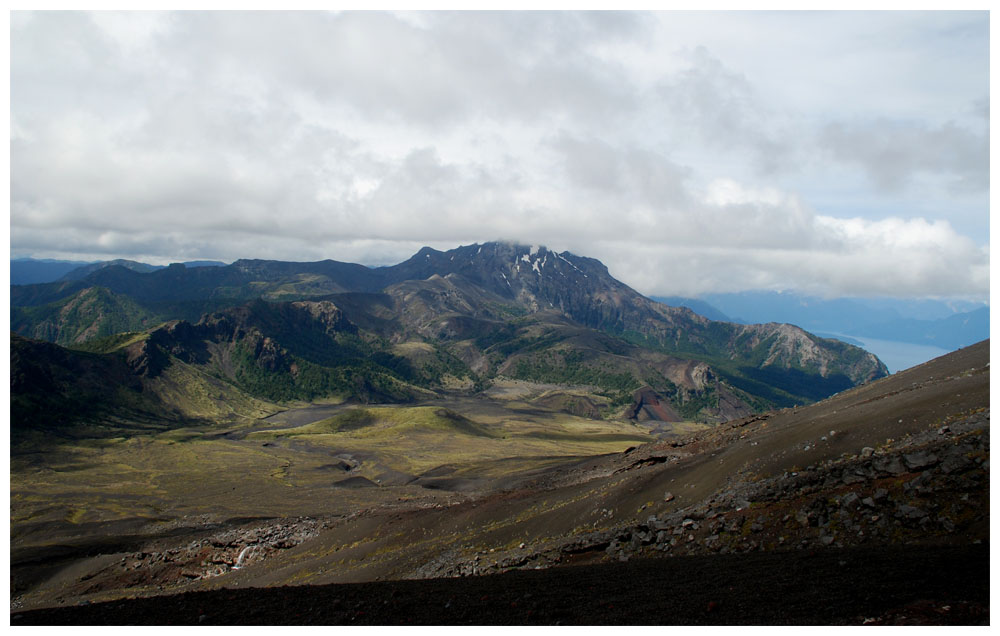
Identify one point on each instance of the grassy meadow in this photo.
(347, 459)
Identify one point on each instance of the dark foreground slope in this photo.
(921, 586)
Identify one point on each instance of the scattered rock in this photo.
(850, 500)
(851, 478)
(955, 463)
(891, 465)
(905, 511)
(920, 460)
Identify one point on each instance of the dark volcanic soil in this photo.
(827, 586)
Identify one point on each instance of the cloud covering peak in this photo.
(839, 153)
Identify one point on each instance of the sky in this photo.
(829, 153)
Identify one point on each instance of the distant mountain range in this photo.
(948, 325)
(28, 271)
(440, 321)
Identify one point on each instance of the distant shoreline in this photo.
(896, 355)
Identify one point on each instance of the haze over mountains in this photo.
(27, 271)
(935, 326)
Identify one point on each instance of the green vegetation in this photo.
(111, 343)
(761, 387)
(387, 422)
(506, 310)
(511, 338)
(91, 313)
(194, 470)
(617, 398)
(426, 364)
(298, 379)
(636, 438)
(539, 369)
(692, 406)
(801, 385)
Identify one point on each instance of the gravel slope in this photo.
(911, 585)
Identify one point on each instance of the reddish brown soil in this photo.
(907, 585)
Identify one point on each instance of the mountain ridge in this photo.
(485, 310)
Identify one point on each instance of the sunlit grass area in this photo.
(243, 467)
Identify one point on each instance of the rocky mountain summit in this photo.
(496, 310)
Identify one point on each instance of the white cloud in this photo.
(850, 257)
(691, 152)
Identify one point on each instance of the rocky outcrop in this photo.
(207, 557)
(648, 405)
(146, 359)
(327, 314)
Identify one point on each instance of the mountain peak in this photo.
(498, 261)
(426, 251)
(514, 246)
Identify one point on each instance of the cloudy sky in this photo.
(835, 153)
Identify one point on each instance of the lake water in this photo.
(898, 356)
